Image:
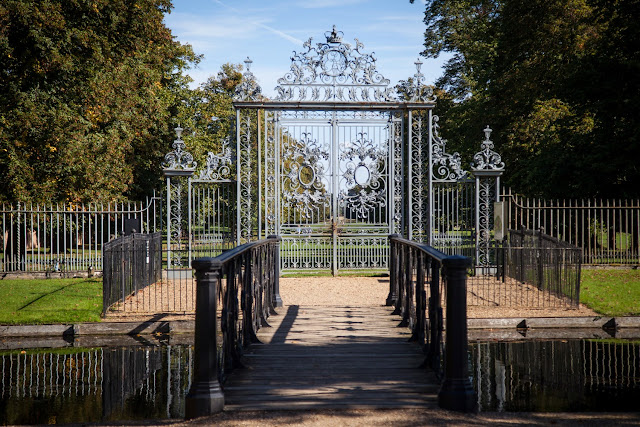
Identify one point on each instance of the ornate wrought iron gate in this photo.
(337, 162)
(334, 170)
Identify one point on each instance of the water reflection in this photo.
(576, 375)
(91, 385)
(73, 385)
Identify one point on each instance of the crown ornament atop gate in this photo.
(334, 71)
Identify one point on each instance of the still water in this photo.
(95, 384)
(72, 385)
(552, 376)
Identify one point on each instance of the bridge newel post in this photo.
(393, 284)
(457, 392)
(277, 300)
(205, 396)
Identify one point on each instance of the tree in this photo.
(86, 92)
(558, 80)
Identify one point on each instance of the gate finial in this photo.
(334, 36)
(486, 158)
(179, 159)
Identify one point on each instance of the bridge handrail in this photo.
(412, 265)
(246, 281)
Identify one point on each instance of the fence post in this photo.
(205, 396)
(393, 284)
(277, 300)
(457, 392)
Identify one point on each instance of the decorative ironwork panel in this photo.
(312, 252)
(418, 157)
(334, 71)
(332, 171)
(363, 177)
(306, 175)
(245, 177)
(220, 166)
(363, 252)
(446, 167)
(271, 178)
(397, 140)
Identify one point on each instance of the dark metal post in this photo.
(435, 316)
(205, 396)
(277, 300)
(393, 284)
(457, 392)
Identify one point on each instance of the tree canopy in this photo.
(557, 80)
(87, 92)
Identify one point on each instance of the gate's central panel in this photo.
(333, 205)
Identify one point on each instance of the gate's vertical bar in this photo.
(238, 179)
(259, 175)
(334, 196)
(430, 181)
(189, 220)
(409, 176)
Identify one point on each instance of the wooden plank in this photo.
(332, 357)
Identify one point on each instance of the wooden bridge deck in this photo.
(317, 357)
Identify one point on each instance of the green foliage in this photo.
(50, 301)
(611, 292)
(557, 80)
(87, 89)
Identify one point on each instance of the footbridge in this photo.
(254, 352)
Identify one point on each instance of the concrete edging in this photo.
(99, 328)
(513, 325)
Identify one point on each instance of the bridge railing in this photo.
(419, 277)
(245, 280)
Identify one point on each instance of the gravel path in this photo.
(373, 291)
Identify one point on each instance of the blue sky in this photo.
(268, 32)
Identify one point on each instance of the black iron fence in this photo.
(130, 264)
(68, 238)
(419, 277)
(548, 264)
(607, 231)
(246, 282)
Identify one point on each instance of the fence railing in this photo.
(544, 262)
(607, 231)
(246, 282)
(68, 238)
(130, 264)
(419, 277)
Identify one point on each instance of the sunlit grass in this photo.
(611, 292)
(50, 301)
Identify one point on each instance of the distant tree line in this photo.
(557, 80)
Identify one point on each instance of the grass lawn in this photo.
(50, 301)
(611, 292)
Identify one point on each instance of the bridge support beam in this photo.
(456, 392)
(205, 396)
